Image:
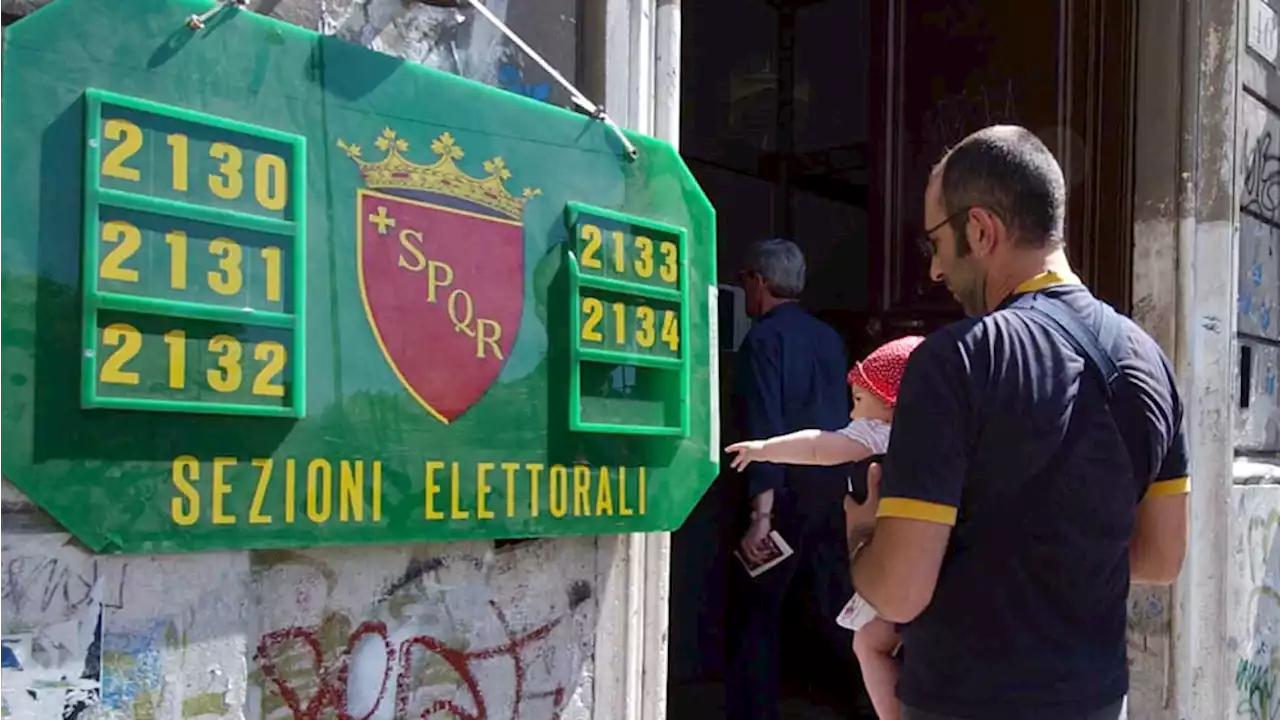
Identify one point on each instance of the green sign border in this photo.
(95, 299)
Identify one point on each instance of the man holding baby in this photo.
(1037, 463)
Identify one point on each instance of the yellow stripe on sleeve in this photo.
(1173, 486)
(909, 509)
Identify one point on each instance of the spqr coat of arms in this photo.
(441, 267)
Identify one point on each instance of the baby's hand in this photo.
(747, 451)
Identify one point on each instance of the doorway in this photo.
(819, 120)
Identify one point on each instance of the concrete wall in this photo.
(1155, 308)
(375, 632)
(360, 633)
(1257, 424)
(1253, 642)
(1250, 657)
(1253, 645)
(1186, 207)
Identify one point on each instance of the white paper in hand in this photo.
(856, 613)
(776, 550)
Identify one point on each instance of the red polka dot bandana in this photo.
(880, 373)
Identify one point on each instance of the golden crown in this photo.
(443, 176)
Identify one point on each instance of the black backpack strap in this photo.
(1094, 348)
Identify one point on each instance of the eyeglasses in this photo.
(927, 245)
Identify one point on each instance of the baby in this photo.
(874, 384)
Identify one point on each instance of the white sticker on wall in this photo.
(1263, 35)
(713, 367)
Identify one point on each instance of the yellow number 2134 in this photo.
(645, 324)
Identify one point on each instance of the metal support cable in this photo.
(596, 111)
(197, 22)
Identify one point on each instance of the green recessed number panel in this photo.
(264, 288)
(628, 297)
(195, 258)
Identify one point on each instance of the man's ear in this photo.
(985, 231)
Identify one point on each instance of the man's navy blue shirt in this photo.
(1002, 432)
(791, 376)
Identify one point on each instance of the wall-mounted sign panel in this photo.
(264, 288)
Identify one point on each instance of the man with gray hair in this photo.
(790, 376)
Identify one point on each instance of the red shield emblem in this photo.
(444, 291)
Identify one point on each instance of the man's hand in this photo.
(752, 545)
(747, 451)
(860, 519)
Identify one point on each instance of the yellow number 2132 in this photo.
(227, 352)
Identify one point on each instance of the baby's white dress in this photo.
(875, 435)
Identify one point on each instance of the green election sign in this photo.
(264, 288)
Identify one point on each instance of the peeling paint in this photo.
(205, 704)
(380, 632)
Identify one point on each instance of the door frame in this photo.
(1095, 124)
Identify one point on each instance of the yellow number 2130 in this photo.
(226, 176)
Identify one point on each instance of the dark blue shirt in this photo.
(790, 376)
(1001, 431)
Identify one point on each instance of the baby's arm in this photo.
(803, 447)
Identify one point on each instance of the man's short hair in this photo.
(1007, 169)
(781, 264)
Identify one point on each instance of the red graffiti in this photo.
(329, 694)
(331, 678)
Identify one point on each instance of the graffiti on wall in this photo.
(51, 648)
(1147, 623)
(89, 637)
(373, 634)
(1255, 682)
(1258, 664)
(1262, 176)
(425, 647)
(406, 674)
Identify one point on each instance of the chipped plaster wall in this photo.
(1205, 285)
(1155, 308)
(459, 630)
(394, 631)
